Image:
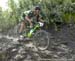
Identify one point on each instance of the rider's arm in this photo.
(40, 19)
(29, 20)
(42, 16)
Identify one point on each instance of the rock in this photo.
(55, 56)
(29, 45)
(13, 50)
(21, 51)
(29, 52)
(18, 57)
(47, 52)
(63, 48)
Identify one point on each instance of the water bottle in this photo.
(32, 30)
(30, 33)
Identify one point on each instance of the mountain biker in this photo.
(30, 17)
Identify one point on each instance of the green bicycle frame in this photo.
(30, 33)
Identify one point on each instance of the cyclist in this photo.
(30, 17)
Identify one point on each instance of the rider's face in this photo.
(37, 12)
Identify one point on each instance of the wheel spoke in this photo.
(41, 39)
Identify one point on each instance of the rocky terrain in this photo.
(61, 47)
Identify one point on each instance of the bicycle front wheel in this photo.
(41, 39)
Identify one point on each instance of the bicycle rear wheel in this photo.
(41, 39)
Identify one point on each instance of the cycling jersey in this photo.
(31, 15)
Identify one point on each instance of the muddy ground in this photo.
(61, 47)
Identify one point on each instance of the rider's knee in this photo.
(23, 23)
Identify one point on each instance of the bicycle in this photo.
(39, 37)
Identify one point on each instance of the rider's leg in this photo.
(22, 26)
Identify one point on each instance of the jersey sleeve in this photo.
(30, 15)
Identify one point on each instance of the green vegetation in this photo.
(54, 10)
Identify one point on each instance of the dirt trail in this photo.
(62, 47)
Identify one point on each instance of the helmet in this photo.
(37, 8)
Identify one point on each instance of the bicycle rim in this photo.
(41, 40)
